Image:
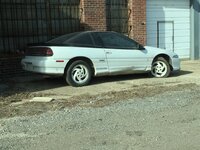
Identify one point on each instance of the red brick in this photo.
(94, 17)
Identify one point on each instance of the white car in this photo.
(80, 56)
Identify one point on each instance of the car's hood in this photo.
(149, 48)
(155, 51)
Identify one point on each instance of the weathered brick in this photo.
(94, 14)
(137, 20)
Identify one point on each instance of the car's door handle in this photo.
(108, 52)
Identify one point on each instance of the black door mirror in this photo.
(141, 47)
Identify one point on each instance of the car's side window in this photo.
(84, 40)
(97, 40)
(117, 41)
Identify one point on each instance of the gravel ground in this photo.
(136, 113)
(166, 121)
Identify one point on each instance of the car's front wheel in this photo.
(160, 68)
(78, 74)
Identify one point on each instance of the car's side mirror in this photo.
(141, 47)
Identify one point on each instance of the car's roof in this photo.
(85, 32)
(66, 39)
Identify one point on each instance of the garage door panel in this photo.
(171, 3)
(161, 14)
(177, 12)
(181, 45)
(177, 38)
(178, 20)
(180, 31)
(184, 38)
(181, 27)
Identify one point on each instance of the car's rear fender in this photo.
(87, 60)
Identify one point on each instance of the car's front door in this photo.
(127, 61)
(123, 54)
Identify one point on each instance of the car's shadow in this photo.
(180, 73)
(117, 78)
(42, 83)
(100, 80)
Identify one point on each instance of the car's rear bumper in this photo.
(48, 66)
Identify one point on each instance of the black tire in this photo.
(78, 74)
(160, 68)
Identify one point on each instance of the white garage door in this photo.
(168, 25)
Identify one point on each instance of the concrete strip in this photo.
(18, 103)
(35, 99)
(41, 99)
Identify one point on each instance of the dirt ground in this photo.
(103, 91)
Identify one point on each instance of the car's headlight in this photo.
(175, 56)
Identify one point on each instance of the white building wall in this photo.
(169, 11)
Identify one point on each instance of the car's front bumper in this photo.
(176, 64)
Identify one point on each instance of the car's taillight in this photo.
(39, 51)
(47, 52)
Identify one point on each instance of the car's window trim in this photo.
(131, 49)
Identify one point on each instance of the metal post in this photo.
(195, 29)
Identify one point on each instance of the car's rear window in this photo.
(84, 40)
(63, 38)
(74, 39)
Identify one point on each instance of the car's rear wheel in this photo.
(160, 68)
(78, 74)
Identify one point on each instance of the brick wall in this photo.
(93, 16)
(137, 20)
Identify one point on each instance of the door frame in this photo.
(158, 29)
